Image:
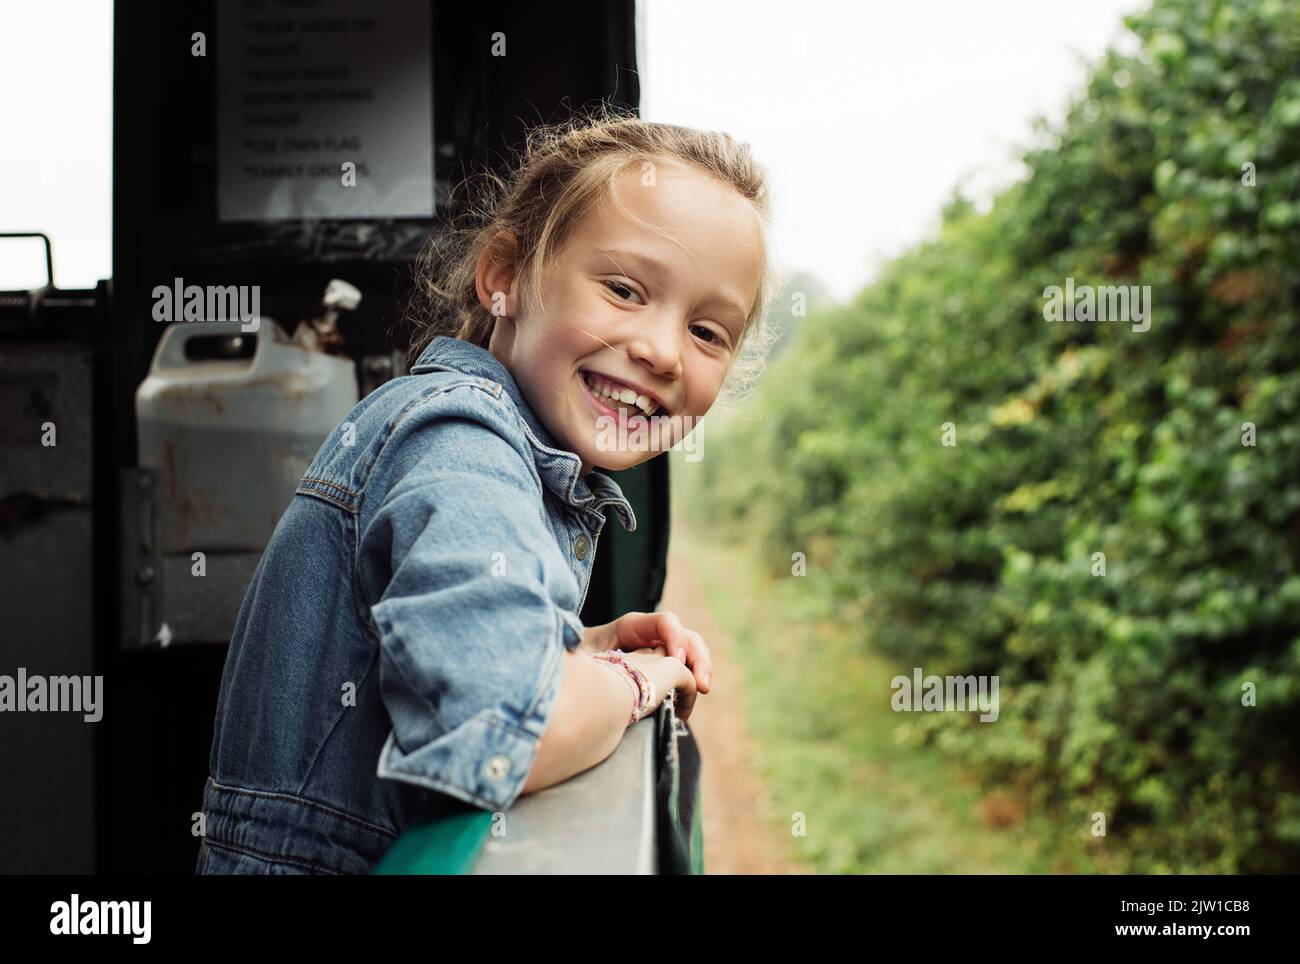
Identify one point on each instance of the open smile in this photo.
(602, 391)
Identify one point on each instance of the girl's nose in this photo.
(656, 345)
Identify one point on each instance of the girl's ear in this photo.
(494, 279)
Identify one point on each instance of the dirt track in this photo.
(737, 837)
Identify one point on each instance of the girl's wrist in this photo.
(627, 680)
(643, 687)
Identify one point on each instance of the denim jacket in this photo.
(399, 649)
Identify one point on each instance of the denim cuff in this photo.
(571, 630)
(486, 759)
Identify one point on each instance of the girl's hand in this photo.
(669, 675)
(634, 631)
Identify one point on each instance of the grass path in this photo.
(738, 819)
(800, 724)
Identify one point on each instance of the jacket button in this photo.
(498, 767)
(581, 546)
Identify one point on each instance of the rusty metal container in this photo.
(230, 420)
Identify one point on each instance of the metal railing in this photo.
(637, 812)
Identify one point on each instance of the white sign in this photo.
(325, 109)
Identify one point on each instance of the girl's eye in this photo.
(710, 332)
(620, 289)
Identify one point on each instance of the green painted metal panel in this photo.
(450, 845)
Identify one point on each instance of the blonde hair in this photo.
(525, 218)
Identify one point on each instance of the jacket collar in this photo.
(560, 469)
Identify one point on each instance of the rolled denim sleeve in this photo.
(471, 640)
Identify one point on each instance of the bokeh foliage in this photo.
(1120, 693)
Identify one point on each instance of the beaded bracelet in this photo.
(644, 685)
(643, 688)
(627, 678)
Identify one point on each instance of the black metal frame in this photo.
(152, 755)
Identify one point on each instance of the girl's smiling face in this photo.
(661, 315)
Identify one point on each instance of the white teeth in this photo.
(604, 390)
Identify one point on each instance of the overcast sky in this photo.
(866, 113)
(56, 104)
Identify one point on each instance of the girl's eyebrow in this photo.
(644, 259)
(731, 305)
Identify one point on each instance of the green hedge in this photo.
(1120, 693)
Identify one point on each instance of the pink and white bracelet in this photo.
(642, 684)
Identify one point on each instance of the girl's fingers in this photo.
(648, 629)
(663, 630)
(701, 663)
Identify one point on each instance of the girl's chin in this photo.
(613, 461)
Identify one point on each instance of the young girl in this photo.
(410, 639)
